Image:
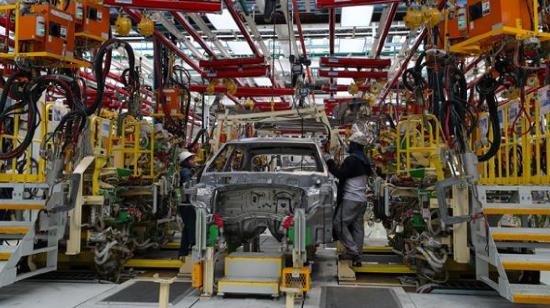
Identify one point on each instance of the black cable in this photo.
(486, 88)
(100, 71)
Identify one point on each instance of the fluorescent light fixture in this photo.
(239, 48)
(263, 82)
(223, 21)
(351, 45)
(356, 16)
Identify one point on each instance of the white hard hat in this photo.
(185, 155)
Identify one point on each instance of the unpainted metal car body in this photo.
(253, 184)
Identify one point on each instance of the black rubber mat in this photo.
(358, 297)
(148, 292)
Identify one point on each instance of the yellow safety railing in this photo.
(31, 164)
(419, 145)
(101, 137)
(134, 148)
(524, 151)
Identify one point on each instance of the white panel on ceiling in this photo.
(356, 16)
(351, 45)
(263, 82)
(223, 21)
(239, 48)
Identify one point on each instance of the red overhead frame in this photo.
(354, 62)
(391, 83)
(242, 28)
(247, 37)
(224, 63)
(324, 4)
(136, 17)
(331, 33)
(353, 74)
(247, 91)
(168, 5)
(191, 31)
(278, 106)
(243, 72)
(342, 88)
(387, 25)
(301, 35)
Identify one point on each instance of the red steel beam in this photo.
(166, 42)
(338, 100)
(187, 26)
(168, 5)
(247, 91)
(405, 63)
(386, 29)
(331, 34)
(353, 74)
(219, 63)
(354, 62)
(301, 35)
(341, 88)
(236, 73)
(324, 4)
(242, 28)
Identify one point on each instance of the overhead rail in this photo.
(169, 5)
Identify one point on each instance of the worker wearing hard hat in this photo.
(186, 210)
(351, 205)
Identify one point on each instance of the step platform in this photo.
(251, 273)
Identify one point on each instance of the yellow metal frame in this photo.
(69, 62)
(384, 268)
(154, 263)
(534, 144)
(130, 149)
(377, 249)
(526, 266)
(274, 285)
(531, 299)
(99, 39)
(299, 278)
(102, 145)
(520, 237)
(28, 176)
(416, 137)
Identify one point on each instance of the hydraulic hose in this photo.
(101, 66)
(486, 88)
(12, 110)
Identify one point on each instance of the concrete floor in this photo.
(43, 294)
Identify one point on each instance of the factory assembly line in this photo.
(275, 153)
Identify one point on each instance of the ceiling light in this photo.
(356, 16)
(351, 45)
(223, 21)
(240, 48)
(263, 82)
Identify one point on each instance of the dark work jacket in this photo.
(353, 166)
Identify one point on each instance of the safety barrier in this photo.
(134, 148)
(29, 167)
(524, 152)
(419, 146)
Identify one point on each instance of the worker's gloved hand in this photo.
(327, 156)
